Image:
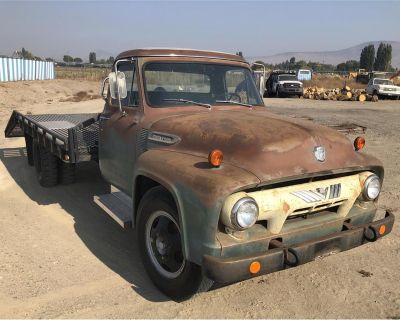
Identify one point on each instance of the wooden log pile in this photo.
(344, 94)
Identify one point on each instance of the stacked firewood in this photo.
(344, 94)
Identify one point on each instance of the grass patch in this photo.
(90, 74)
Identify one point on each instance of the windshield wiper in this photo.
(234, 102)
(208, 106)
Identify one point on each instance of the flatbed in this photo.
(72, 138)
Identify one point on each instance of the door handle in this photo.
(104, 118)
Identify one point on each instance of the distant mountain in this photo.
(104, 54)
(331, 57)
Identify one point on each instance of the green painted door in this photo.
(118, 133)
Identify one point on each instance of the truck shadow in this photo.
(111, 244)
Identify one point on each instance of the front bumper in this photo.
(291, 90)
(389, 93)
(278, 257)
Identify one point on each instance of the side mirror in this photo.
(117, 85)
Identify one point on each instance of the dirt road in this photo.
(61, 256)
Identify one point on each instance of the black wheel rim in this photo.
(163, 244)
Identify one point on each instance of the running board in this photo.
(118, 206)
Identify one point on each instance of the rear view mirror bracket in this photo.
(117, 83)
(104, 96)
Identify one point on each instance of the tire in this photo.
(46, 166)
(160, 244)
(66, 172)
(29, 149)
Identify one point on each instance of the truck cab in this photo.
(162, 83)
(304, 75)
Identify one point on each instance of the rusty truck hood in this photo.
(268, 145)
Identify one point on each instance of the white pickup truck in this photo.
(383, 88)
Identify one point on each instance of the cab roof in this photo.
(171, 52)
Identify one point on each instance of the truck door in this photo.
(118, 133)
(275, 84)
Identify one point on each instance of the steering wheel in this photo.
(160, 89)
(231, 95)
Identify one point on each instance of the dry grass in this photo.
(332, 82)
(91, 74)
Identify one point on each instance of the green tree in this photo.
(350, 65)
(110, 59)
(26, 54)
(255, 67)
(68, 58)
(383, 58)
(367, 57)
(92, 57)
(78, 60)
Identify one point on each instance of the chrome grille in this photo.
(319, 194)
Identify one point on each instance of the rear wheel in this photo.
(160, 243)
(66, 172)
(46, 166)
(29, 149)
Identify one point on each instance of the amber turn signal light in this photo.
(215, 158)
(359, 143)
(382, 230)
(255, 267)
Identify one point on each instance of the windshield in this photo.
(287, 77)
(169, 84)
(383, 81)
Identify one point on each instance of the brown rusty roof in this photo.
(160, 52)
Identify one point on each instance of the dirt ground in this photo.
(61, 256)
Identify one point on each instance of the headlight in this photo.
(244, 213)
(372, 187)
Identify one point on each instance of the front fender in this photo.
(199, 192)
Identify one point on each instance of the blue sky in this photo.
(54, 28)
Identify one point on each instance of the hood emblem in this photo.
(163, 138)
(319, 153)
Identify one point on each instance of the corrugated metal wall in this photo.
(19, 69)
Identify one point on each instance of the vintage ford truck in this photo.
(218, 188)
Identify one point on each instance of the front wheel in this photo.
(160, 244)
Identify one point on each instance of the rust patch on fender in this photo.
(286, 207)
